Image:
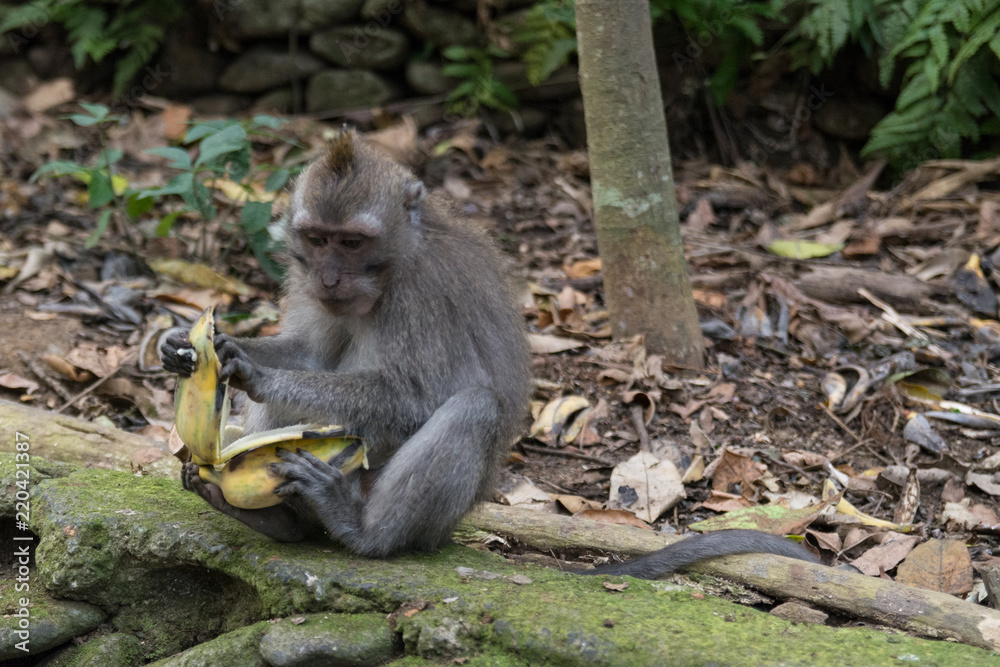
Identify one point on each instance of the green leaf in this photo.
(226, 140)
(98, 111)
(803, 249)
(99, 190)
(180, 184)
(206, 128)
(102, 226)
(277, 180)
(255, 217)
(57, 168)
(108, 157)
(139, 204)
(167, 223)
(267, 121)
(456, 53)
(179, 158)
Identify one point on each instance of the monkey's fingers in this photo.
(178, 354)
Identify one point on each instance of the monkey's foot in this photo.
(332, 495)
(210, 493)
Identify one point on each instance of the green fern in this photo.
(951, 52)
(550, 31)
(98, 28)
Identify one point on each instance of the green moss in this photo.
(103, 531)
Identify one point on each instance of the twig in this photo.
(94, 385)
(890, 315)
(639, 422)
(841, 424)
(39, 371)
(569, 454)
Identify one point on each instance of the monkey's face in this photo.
(344, 267)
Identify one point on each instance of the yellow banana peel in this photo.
(241, 466)
(201, 404)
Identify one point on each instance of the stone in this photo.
(362, 47)
(849, 118)
(17, 76)
(382, 11)
(439, 26)
(118, 649)
(428, 78)
(527, 122)
(191, 68)
(239, 647)
(263, 69)
(281, 101)
(50, 622)
(563, 84)
(346, 89)
(333, 640)
(250, 19)
(219, 104)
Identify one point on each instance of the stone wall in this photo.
(323, 56)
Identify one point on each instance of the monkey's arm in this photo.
(269, 351)
(689, 551)
(356, 398)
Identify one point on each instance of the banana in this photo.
(242, 468)
(246, 478)
(201, 404)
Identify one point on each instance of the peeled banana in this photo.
(242, 468)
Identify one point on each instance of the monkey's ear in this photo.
(413, 196)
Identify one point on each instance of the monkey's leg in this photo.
(420, 495)
(280, 522)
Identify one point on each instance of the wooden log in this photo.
(927, 613)
(61, 438)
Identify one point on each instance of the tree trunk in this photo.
(645, 277)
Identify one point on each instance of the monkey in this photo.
(399, 324)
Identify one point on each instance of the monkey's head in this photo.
(355, 213)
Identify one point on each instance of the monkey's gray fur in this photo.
(413, 342)
(398, 324)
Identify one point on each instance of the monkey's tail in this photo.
(689, 551)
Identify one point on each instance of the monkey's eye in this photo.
(351, 242)
(318, 241)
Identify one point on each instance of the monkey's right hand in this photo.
(241, 371)
(177, 354)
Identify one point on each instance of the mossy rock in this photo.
(100, 530)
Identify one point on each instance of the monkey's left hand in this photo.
(335, 497)
(239, 369)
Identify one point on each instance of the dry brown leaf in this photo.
(50, 94)
(702, 217)
(583, 269)
(803, 459)
(882, 558)
(616, 587)
(14, 381)
(529, 496)
(938, 565)
(546, 344)
(574, 504)
(964, 516)
(656, 483)
(734, 468)
(399, 140)
(620, 517)
(175, 121)
(828, 541)
(100, 361)
(720, 501)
